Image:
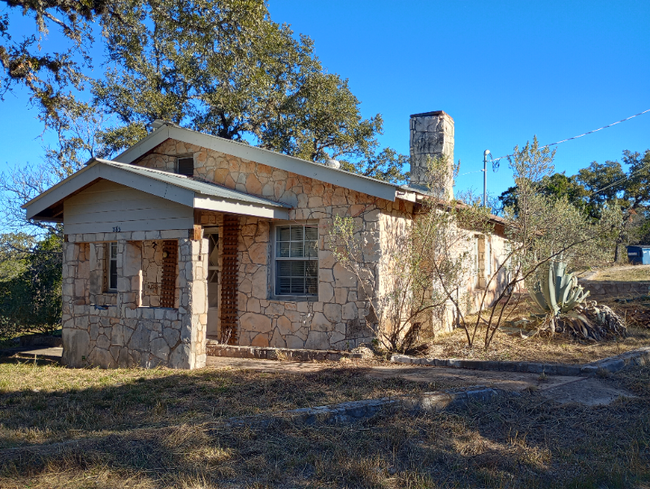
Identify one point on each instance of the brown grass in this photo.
(509, 345)
(632, 273)
(517, 441)
(45, 404)
(545, 349)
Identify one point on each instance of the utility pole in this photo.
(485, 155)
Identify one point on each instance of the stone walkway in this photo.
(591, 391)
(563, 389)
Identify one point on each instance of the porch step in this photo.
(216, 349)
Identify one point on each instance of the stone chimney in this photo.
(432, 135)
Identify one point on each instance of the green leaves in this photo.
(223, 67)
(48, 75)
(30, 284)
(559, 292)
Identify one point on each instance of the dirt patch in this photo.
(587, 391)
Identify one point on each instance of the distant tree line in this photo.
(604, 185)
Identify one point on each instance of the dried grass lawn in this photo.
(64, 428)
(146, 429)
(45, 404)
(509, 345)
(632, 273)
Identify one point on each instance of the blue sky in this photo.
(504, 70)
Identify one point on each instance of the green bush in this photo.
(30, 285)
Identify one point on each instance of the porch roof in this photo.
(187, 191)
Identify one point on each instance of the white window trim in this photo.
(274, 260)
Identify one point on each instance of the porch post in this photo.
(193, 307)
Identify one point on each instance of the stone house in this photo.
(186, 240)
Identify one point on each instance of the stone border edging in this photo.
(267, 353)
(640, 356)
(348, 412)
(611, 288)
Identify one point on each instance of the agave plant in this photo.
(558, 293)
(562, 300)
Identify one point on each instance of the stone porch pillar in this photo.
(193, 307)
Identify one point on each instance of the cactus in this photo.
(559, 292)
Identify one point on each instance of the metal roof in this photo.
(317, 171)
(204, 188)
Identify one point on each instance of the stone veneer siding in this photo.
(339, 317)
(336, 319)
(113, 329)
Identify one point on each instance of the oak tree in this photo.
(223, 67)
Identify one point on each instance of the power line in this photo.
(469, 172)
(496, 160)
(621, 180)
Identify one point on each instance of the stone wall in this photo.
(478, 289)
(339, 318)
(151, 253)
(335, 319)
(485, 284)
(115, 329)
(608, 289)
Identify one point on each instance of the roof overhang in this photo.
(48, 206)
(317, 171)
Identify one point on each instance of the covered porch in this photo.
(150, 263)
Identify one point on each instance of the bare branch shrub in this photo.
(427, 262)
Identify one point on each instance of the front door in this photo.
(213, 283)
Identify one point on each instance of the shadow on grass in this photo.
(164, 436)
(43, 404)
(39, 361)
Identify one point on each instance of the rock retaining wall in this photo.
(601, 290)
(215, 349)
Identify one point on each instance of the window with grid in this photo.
(296, 260)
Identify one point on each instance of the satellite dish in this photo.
(332, 163)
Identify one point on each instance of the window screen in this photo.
(112, 266)
(186, 166)
(296, 260)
